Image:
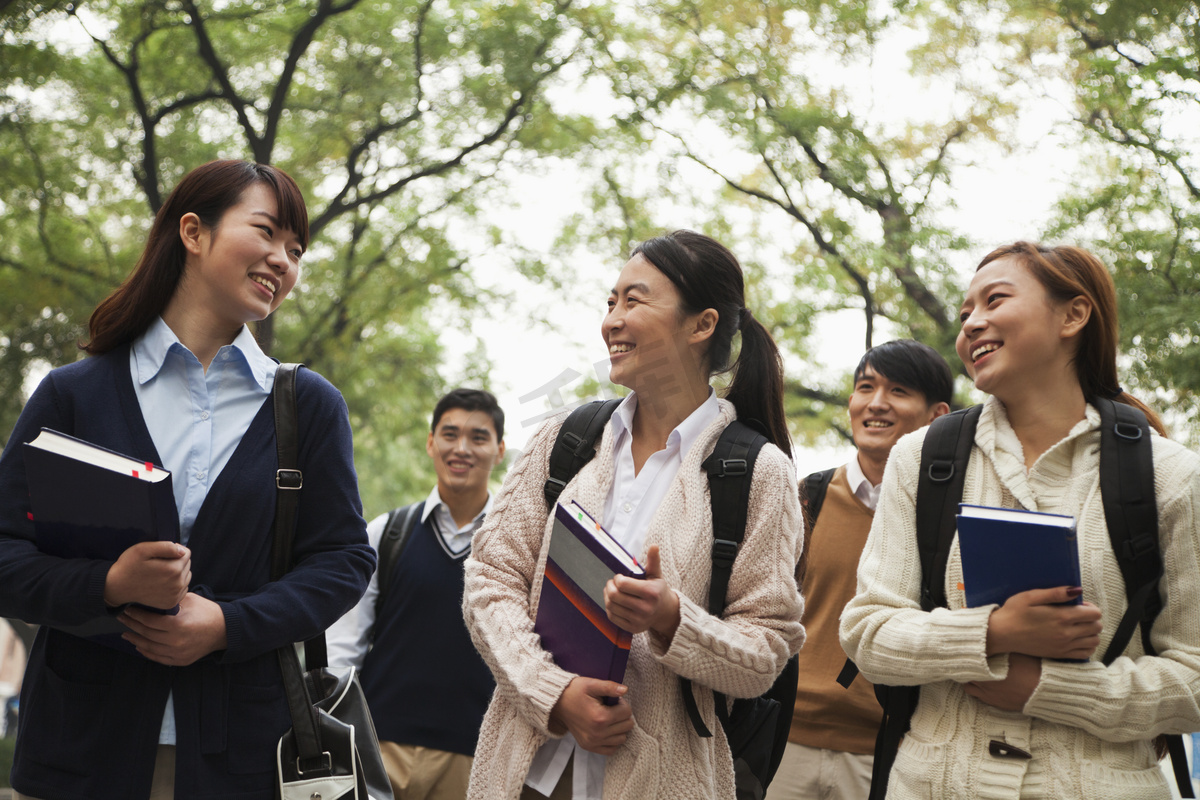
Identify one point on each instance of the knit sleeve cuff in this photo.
(688, 638)
(940, 645)
(95, 585)
(1067, 691)
(542, 695)
(235, 631)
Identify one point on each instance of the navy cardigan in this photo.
(90, 715)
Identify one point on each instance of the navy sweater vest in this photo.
(424, 682)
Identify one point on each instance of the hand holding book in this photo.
(641, 604)
(155, 574)
(1045, 623)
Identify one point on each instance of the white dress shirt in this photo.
(632, 502)
(349, 639)
(196, 418)
(863, 489)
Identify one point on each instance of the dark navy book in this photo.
(571, 619)
(90, 502)
(1006, 551)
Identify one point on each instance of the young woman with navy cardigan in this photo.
(175, 377)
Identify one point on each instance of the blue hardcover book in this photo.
(90, 502)
(1009, 550)
(571, 619)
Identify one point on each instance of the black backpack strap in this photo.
(575, 444)
(944, 457)
(815, 485)
(945, 454)
(1131, 515)
(730, 468)
(399, 527)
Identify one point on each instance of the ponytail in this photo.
(756, 382)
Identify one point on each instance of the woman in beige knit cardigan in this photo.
(672, 316)
(1000, 714)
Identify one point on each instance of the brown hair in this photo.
(1068, 272)
(207, 191)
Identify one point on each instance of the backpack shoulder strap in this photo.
(944, 457)
(815, 485)
(400, 524)
(575, 444)
(1131, 514)
(730, 469)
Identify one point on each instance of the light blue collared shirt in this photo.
(173, 389)
(196, 419)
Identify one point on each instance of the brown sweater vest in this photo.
(826, 715)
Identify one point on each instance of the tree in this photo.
(748, 94)
(1138, 99)
(392, 115)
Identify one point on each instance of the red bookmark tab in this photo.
(30, 515)
(135, 473)
(149, 466)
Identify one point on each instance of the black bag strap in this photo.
(1131, 515)
(815, 485)
(288, 482)
(575, 445)
(399, 527)
(730, 468)
(944, 457)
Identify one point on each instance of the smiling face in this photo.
(465, 450)
(242, 269)
(881, 411)
(645, 329)
(1014, 337)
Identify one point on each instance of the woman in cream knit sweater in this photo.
(1039, 335)
(672, 317)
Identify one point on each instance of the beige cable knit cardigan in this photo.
(1089, 727)
(739, 654)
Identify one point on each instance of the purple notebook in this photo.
(570, 618)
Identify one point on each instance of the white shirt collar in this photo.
(863, 489)
(434, 501)
(685, 433)
(151, 348)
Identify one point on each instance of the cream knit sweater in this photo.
(1089, 727)
(739, 654)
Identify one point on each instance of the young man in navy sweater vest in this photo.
(426, 686)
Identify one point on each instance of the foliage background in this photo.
(831, 144)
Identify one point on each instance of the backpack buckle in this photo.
(1128, 431)
(291, 479)
(553, 488)
(731, 468)
(724, 552)
(1140, 545)
(578, 446)
(941, 471)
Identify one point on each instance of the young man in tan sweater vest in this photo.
(899, 387)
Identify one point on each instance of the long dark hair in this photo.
(707, 276)
(1068, 272)
(207, 191)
